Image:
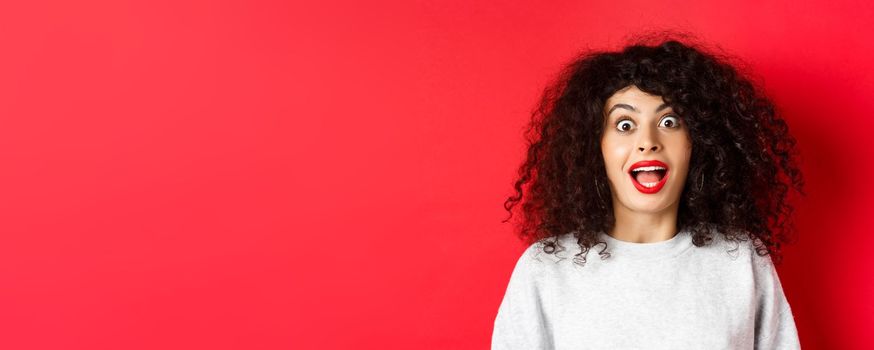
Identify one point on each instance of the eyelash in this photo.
(616, 126)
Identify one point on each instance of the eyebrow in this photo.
(631, 108)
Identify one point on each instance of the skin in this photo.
(640, 217)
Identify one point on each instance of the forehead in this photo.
(633, 96)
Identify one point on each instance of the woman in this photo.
(676, 169)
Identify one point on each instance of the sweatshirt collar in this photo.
(662, 249)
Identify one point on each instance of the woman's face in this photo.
(642, 132)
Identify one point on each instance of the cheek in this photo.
(683, 155)
(687, 148)
(615, 155)
(614, 152)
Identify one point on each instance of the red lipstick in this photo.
(649, 163)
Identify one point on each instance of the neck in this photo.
(644, 227)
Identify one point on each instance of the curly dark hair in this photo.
(741, 149)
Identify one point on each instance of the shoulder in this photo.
(553, 250)
(546, 253)
(743, 258)
(745, 249)
(742, 249)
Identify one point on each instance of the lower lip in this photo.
(650, 190)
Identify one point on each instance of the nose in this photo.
(654, 148)
(649, 141)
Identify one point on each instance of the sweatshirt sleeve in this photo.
(775, 325)
(519, 323)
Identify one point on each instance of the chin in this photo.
(643, 208)
(649, 207)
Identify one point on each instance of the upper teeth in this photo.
(648, 168)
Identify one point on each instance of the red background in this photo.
(265, 175)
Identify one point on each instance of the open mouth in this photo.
(649, 176)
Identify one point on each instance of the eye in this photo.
(671, 121)
(625, 125)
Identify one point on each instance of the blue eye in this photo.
(670, 121)
(621, 125)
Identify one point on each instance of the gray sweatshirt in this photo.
(661, 295)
